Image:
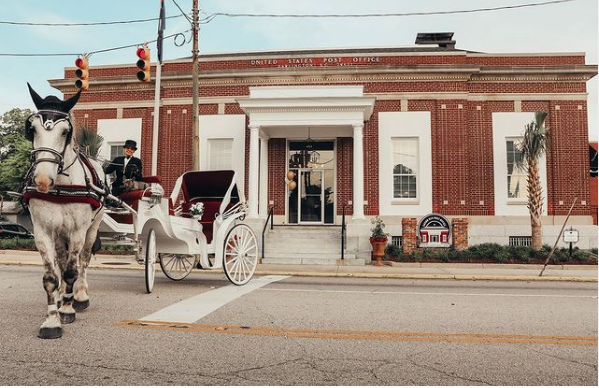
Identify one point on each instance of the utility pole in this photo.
(196, 121)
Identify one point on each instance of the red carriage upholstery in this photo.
(210, 188)
(132, 198)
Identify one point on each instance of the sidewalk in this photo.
(457, 271)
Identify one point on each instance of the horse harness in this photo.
(61, 193)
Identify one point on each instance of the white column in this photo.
(358, 171)
(254, 176)
(263, 204)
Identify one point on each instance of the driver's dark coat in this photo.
(124, 173)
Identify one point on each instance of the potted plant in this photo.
(378, 240)
(197, 210)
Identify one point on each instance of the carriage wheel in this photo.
(176, 266)
(150, 260)
(241, 254)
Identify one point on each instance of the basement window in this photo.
(520, 241)
(396, 240)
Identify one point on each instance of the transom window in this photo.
(405, 167)
(516, 177)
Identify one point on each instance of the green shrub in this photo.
(392, 250)
(18, 243)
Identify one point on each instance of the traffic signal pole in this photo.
(196, 123)
(156, 120)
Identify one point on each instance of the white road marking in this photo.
(428, 293)
(195, 308)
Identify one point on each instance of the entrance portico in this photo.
(318, 112)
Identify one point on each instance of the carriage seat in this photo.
(211, 208)
(132, 198)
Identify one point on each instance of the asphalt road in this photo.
(302, 331)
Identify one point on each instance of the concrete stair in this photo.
(295, 244)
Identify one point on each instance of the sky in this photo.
(555, 28)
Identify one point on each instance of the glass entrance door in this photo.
(311, 182)
(310, 196)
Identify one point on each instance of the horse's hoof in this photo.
(67, 318)
(80, 306)
(50, 332)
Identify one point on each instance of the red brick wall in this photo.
(462, 145)
(276, 174)
(594, 190)
(345, 163)
(459, 230)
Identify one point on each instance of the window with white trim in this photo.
(220, 154)
(405, 167)
(116, 150)
(516, 176)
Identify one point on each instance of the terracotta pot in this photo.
(378, 250)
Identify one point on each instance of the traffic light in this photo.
(143, 64)
(82, 72)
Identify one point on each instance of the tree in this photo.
(14, 149)
(532, 147)
(89, 141)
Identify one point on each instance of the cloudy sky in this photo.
(567, 26)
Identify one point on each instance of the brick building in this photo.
(396, 132)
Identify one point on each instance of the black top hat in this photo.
(130, 144)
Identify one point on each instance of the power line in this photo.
(211, 17)
(183, 12)
(90, 52)
(86, 24)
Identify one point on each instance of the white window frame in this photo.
(416, 174)
(510, 125)
(410, 125)
(516, 141)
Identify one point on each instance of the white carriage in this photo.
(163, 230)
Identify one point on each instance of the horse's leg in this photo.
(51, 327)
(69, 276)
(81, 296)
(61, 259)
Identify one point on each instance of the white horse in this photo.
(65, 206)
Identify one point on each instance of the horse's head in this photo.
(51, 131)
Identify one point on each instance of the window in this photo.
(520, 241)
(116, 150)
(405, 167)
(516, 177)
(220, 153)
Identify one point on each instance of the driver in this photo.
(126, 167)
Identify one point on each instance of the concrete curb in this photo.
(444, 271)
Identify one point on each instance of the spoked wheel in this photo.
(241, 254)
(176, 266)
(150, 260)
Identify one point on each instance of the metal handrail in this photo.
(343, 232)
(270, 217)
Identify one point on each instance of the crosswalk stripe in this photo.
(195, 308)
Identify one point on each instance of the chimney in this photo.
(443, 39)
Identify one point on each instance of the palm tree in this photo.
(532, 147)
(89, 141)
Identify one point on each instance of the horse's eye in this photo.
(64, 133)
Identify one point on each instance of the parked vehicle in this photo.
(12, 230)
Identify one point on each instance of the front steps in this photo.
(300, 244)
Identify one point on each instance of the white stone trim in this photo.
(116, 131)
(511, 125)
(405, 124)
(223, 127)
